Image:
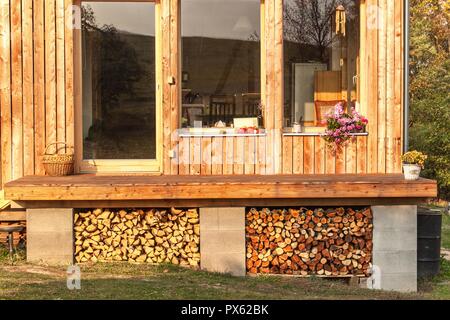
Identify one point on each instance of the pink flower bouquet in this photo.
(341, 126)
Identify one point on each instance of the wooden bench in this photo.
(106, 191)
(222, 200)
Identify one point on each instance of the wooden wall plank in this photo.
(175, 71)
(397, 120)
(372, 83)
(269, 105)
(28, 99)
(16, 89)
(60, 75)
(298, 155)
(278, 85)
(50, 73)
(362, 81)
(319, 155)
(261, 156)
(308, 154)
(206, 156)
(390, 86)
(381, 118)
(228, 155)
(330, 161)
(287, 155)
(195, 155)
(238, 159)
(69, 75)
(184, 156)
(361, 151)
(340, 161)
(249, 163)
(218, 155)
(165, 30)
(5, 91)
(77, 94)
(351, 156)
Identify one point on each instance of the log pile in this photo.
(153, 236)
(18, 238)
(331, 242)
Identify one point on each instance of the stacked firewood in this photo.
(154, 236)
(331, 242)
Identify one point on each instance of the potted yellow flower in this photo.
(413, 163)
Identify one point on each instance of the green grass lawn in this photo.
(20, 280)
(446, 231)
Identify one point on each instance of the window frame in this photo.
(361, 76)
(262, 67)
(142, 166)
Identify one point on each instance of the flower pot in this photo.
(411, 171)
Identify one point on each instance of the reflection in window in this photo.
(321, 55)
(118, 47)
(221, 62)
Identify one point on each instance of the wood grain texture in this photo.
(39, 84)
(50, 74)
(298, 155)
(41, 89)
(308, 155)
(5, 91)
(228, 155)
(175, 71)
(382, 89)
(287, 155)
(91, 187)
(218, 155)
(60, 74)
(372, 84)
(398, 113)
(28, 98)
(69, 75)
(206, 156)
(16, 89)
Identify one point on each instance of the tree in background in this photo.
(430, 87)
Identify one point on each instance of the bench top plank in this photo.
(134, 187)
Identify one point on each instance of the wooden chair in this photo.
(221, 107)
(321, 108)
(251, 104)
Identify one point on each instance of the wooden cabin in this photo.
(217, 106)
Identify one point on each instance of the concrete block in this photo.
(50, 236)
(395, 247)
(400, 261)
(233, 264)
(397, 217)
(395, 239)
(402, 282)
(222, 240)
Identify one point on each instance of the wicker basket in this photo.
(58, 165)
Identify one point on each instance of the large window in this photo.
(118, 80)
(321, 55)
(220, 62)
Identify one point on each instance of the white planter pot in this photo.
(411, 171)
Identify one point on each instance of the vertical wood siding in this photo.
(38, 97)
(36, 82)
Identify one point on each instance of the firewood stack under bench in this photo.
(357, 226)
(331, 242)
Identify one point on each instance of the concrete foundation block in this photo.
(50, 236)
(395, 248)
(222, 240)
